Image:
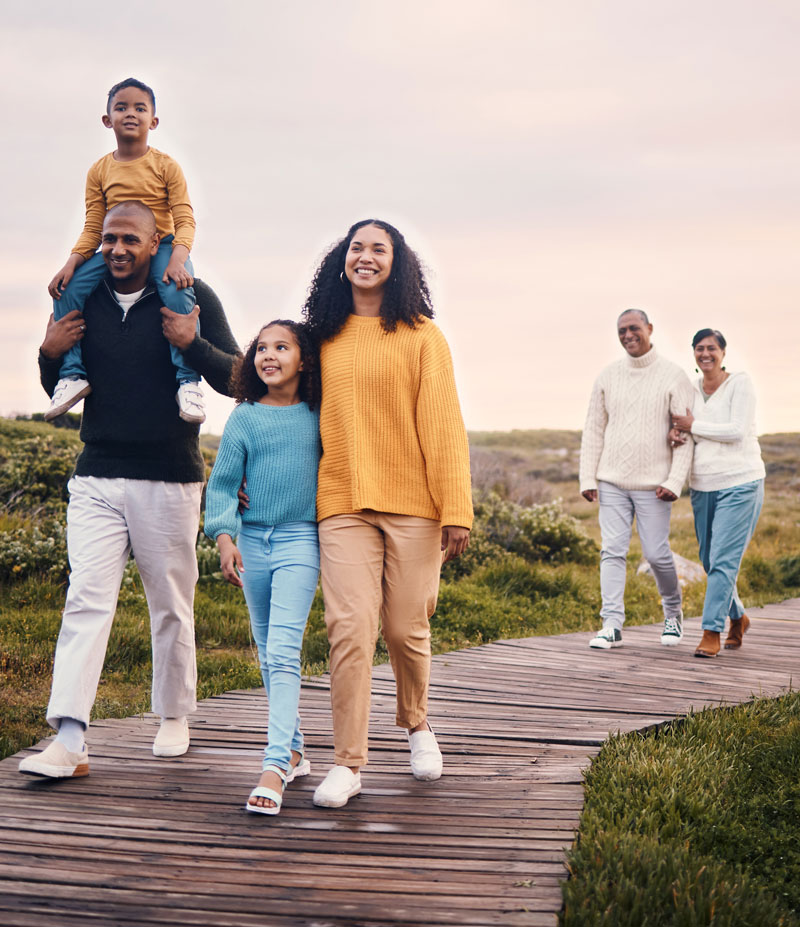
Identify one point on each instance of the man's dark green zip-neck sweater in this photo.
(130, 427)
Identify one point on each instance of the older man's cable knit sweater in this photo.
(625, 435)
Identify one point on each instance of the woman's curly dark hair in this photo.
(406, 297)
(246, 385)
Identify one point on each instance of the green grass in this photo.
(696, 823)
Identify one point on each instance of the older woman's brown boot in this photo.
(736, 632)
(709, 645)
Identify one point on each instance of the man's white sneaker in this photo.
(673, 630)
(337, 787)
(190, 403)
(65, 395)
(426, 757)
(56, 762)
(172, 738)
(606, 638)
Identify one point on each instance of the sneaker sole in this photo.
(302, 769)
(606, 646)
(336, 802)
(55, 772)
(427, 775)
(177, 750)
(671, 641)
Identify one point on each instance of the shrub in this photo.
(537, 532)
(480, 552)
(35, 465)
(513, 576)
(757, 574)
(789, 570)
(34, 551)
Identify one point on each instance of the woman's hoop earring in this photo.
(341, 276)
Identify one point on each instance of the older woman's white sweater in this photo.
(625, 436)
(726, 449)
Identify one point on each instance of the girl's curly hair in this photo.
(406, 297)
(246, 385)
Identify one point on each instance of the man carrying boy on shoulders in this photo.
(137, 486)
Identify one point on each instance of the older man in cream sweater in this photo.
(628, 465)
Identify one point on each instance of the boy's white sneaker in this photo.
(65, 395)
(190, 403)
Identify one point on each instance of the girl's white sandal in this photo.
(261, 791)
(302, 768)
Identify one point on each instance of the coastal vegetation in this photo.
(692, 824)
(531, 568)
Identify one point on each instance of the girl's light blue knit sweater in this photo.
(277, 450)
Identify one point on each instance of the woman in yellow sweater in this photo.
(394, 493)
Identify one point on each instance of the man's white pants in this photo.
(106, 519)
(617, 509)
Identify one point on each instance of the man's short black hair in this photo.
(130, 82)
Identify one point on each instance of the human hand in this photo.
(590, 495)
(454, 541)
(179, 329)
(178, 274)
(676, 437)
(61, 335)
(63, 277)
(230, 560)
(244, 499)
(665, 495)
(683, 422)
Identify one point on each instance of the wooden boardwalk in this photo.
(166, 842)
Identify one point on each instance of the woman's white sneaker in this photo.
(340, 785)
(426, 757)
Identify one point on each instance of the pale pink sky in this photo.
(553, 163)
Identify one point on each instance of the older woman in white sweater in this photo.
(727, 484)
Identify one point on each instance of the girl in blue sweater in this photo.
(271, 440)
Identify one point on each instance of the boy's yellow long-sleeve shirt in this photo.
(155, 179)
(393, 439)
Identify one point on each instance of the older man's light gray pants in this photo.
(618, 508)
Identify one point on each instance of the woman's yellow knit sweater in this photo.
(393, 439)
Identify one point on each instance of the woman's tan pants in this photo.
(377, 566)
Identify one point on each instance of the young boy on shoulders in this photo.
(134, 171)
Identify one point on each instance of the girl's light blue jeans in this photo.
(281, 568)
(724, 522)
(85, 281)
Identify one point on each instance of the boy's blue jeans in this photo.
(85, 281)
(281, 568)
(724, 522)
